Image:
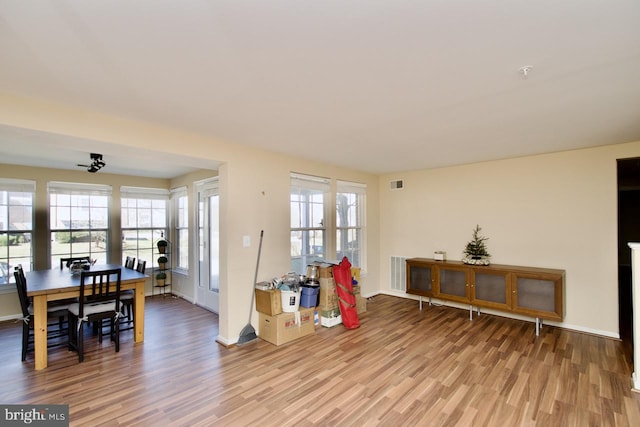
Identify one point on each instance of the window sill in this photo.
(8, 289)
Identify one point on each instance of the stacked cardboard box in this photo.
(361, 303)
(286, 327)
(277, 327)
(328, 306)
(269, 301)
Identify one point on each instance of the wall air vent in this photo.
(396, 185)
(398, 273)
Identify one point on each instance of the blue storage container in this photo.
(309, 296)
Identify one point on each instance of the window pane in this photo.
(183, 259)
(182, 229)
(146, 219)
(79, 220)
(349, 221)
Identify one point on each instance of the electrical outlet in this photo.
(246, 241)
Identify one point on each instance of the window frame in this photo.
(9, 213)
(82, 197)
(140, 197)
(356, 198)
(180, 209)
(304, 188)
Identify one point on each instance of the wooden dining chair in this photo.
(66, 262)
(99, 300)
(54, 311)
(127, 297)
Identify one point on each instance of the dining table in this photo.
(60, 283)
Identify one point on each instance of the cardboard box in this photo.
(326, 271)
(328, 294)
(269, 302)
(361, 304)
(286, 327)
(329, 318)
(356, 290)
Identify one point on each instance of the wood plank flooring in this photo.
(402, 367)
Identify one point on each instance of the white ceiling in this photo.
(378, 85)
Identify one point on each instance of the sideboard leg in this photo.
(537, 326)
(478, 310)
(420, 302)
(470, 312)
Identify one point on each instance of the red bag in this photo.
(346, 297)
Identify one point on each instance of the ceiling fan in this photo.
(96, 164)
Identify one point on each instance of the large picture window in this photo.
(78, 220)
(144, 221)
(308, 220)
(16, 227)
(350, 200)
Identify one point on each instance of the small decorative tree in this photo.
(476, 250)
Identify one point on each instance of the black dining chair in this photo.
(54, 311)
(99, 300)
(66, 262)
(127, 297)
(130, 262)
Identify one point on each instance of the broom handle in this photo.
(255, 278)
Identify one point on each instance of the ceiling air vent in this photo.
(396, 185)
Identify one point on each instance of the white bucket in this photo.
(290, 301)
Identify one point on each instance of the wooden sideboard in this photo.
(529, 291)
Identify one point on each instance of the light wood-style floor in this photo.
(401, 367)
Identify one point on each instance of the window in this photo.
(16, 227)
(78, 220)
(350, 221)
(144, 221)
(181, 206)
(308, 225)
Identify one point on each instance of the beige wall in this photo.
(254, 193)
(557, 210)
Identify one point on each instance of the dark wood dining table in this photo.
(59, 283)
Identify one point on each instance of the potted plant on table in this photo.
(476, 250)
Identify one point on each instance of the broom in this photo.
(248, 334)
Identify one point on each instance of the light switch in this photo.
(246, 241)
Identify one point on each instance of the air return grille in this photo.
(398, 273)
(396, 185)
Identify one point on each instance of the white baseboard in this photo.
(606, 334)
(16, 317)
(225, 341)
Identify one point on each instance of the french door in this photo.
(208, 286)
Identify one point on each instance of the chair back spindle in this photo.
(129, 262)
(142, 265)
